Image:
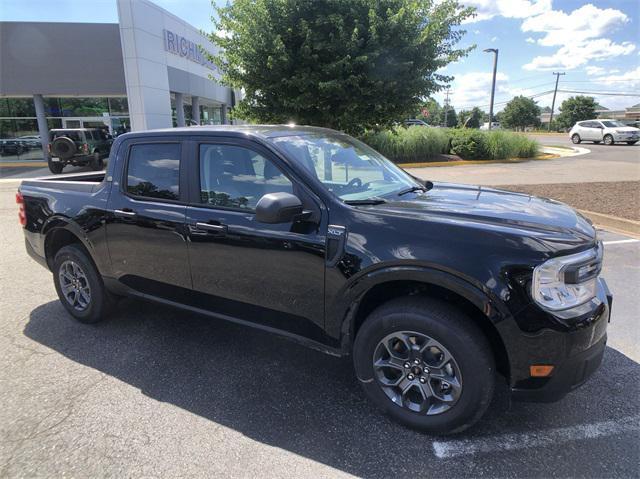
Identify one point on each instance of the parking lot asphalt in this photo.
(159, 392)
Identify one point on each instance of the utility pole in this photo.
(493, 85)
(446, 107)
(553, 102)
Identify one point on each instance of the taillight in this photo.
(22, 215)
(49, 148)
(85, 148)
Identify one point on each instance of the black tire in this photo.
(55, 167)
(464, 341)
(96, 162)
(575, 138)
(63, 147)
(632, 142)
(608, 140)
(100, 301)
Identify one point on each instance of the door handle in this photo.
(213, 228)
(127, 213)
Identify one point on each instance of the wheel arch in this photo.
(462, 295)
(61, 232)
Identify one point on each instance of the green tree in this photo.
(451, 117)
(347, 65)
(520, 112)
(470, 118)
(576, 108)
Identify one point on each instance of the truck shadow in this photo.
(290, 397)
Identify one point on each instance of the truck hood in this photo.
(497, 208)
(626, 129)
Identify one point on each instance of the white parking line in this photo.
(620, 241)
(448, 449)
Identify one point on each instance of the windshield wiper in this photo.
(367, 201)
(412, 189)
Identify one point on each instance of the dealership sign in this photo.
(179, 45)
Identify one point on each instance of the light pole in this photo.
(493, 85)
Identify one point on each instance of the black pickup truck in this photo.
(436, 290)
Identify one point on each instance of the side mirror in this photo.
(278, 208)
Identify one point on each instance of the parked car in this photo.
(30, 141)
(78, 147)
(416, 122)
(11, 147)
(606, 131)
(432, 288)
(494, 126)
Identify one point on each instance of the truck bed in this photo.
(81, 182)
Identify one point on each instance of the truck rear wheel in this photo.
(96, 162)
(425, 364)
(55, 167)
(79, 285)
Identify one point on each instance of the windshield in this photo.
(613, 124)
(346, 167)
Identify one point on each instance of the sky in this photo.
(596, 44)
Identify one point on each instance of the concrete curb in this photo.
(614, 223)
(548, 153)
(475, 162)
(22, 164)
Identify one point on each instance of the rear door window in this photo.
(153, 171)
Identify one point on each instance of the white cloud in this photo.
(577, 54)
(580, 35)
(593, 70)
(474, 89)
(493, 39)
(487, 9)
(627, 80)
(584, 23)
(530, 40)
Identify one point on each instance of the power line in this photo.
(600, 93)
(604, 80)
(548, 92)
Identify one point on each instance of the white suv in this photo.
(607, 131)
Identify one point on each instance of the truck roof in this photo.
(264, 131)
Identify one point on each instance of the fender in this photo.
(351, 295)
(62, 222)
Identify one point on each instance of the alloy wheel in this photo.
(74, 285)
(417, 372)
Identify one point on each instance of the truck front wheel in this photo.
(79, 285)
(425, 364)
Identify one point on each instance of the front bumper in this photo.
(575, 354)
(626, 137)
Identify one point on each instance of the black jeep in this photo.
(78, 147)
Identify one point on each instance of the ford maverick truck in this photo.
(436, 290)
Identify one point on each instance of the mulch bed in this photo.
(617, 198)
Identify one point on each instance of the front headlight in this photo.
(567, 281)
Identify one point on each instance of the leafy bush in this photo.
(468, 144)
(417, 144)
(504, 144)
(409, 145)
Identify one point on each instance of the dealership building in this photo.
(147, 71)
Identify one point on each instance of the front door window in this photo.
(236, 177)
